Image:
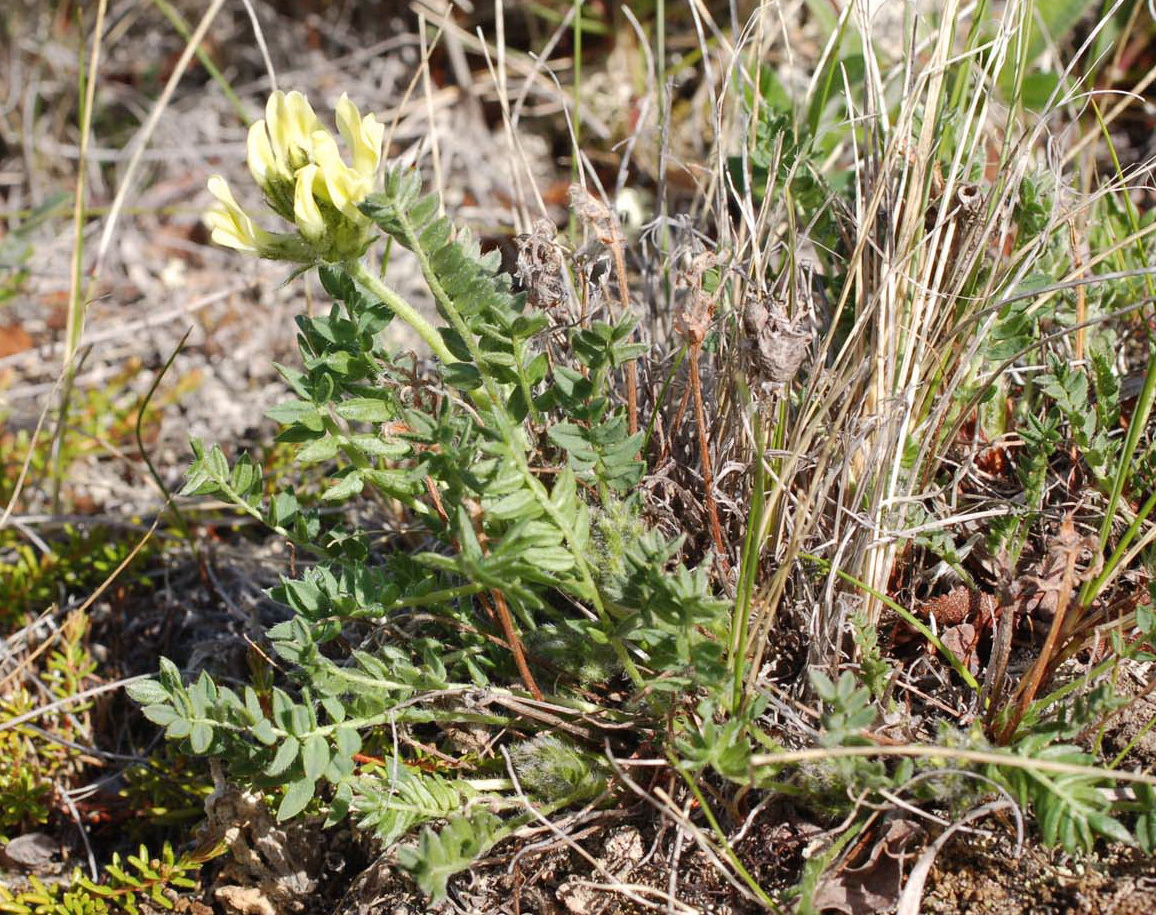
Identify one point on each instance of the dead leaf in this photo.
(960, 605)
(1071, 559)
(874, 885)
(13, 339)
(962, 641)
(244, 900)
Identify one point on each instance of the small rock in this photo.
(32, 851)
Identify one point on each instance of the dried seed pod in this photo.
(540, 267)
(777, 346)
(595, 214)
(963, 213)
(970, 199)
(693, 318)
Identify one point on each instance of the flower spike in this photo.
(299, 166)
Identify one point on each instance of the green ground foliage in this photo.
(831, 494)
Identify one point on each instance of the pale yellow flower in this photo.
(344, 187)
(306, 212)
(262, 162)
(363, 135)
(231, 226)
(299, 166)
(291, 123)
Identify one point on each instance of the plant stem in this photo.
(515, 643)
(748, 558)
(402, 309)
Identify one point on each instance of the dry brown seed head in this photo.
(593, 213)
(697, 308)
(690, 276)
(540, 267)
(777, 346)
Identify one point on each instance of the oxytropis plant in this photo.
(535, 602)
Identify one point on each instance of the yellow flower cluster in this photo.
(298, 165)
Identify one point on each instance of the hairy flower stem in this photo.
(400, 307)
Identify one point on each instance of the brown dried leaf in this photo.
(1072, 559)
(962, 641)
(874, 885)
(959, 605)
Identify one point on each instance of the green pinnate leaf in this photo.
(463, 376)
(315, 756)
(345, 488)
(436, 235)
(160, 715)
(286, 756)
(296, 799)
(263, 732)
(521, 503)
(424, 210)
(366, 410)
(178, 729)
(440, 855)
(319, 450)
(170, 676)
(347, 741)
(201, 737)
(297, 413)
(148, 692)
(283, 508)
(375, 446)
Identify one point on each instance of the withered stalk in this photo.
(514, 641)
